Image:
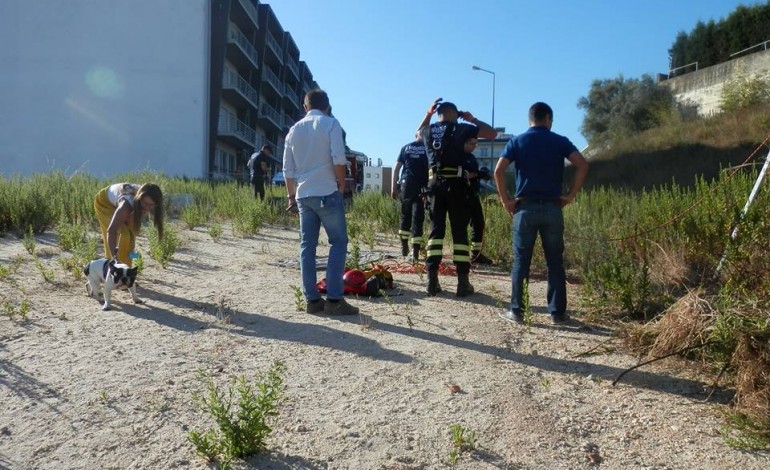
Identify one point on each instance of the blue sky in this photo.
(383, 63)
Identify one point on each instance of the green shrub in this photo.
(745, 92)
(162, 251)
(215, 231)
(194, 215)
(244, 413)
(71, 235)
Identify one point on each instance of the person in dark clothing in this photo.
(448, 191)
(414, 178)
(258, 168)
(474, 176)
(538, 155)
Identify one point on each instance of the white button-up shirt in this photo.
(313, 146)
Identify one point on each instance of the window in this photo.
(224, 162)
(368, 175)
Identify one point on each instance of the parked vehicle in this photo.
(278, 179)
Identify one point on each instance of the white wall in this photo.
(377, 178)
(106, 86)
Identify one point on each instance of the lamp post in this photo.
(492, 146)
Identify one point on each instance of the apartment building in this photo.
(263, 82)
(184, 87)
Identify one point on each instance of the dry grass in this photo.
(684, 324)
(670, 268)
(691, 322)
(751, 361)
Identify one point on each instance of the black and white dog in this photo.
(114, 275)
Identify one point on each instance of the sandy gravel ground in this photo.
(86, 389)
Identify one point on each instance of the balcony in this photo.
(237, 91)
(288, 121)
(292, 65)
(247, 51)
(235, 132)
(306, 86)
(270, 115)
(251, 11)
(275, 46)
(290, 96)
(273, 80)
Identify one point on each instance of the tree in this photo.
(617, 107)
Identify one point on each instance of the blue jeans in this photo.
(329, 211)
(544, 218)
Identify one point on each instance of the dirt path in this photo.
(86, 389)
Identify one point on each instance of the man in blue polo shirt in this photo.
(538, 155)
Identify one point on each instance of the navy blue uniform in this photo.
(414, 177)
(449, 192)
(257, 175)
(474, 204)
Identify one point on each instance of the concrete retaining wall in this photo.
(704, 87)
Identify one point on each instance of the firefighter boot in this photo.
(464, 287)
(404, 246)
(415, 252)
(478, 258)
(433, 286)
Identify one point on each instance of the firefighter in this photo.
(414, 178)
(475, 175)
(448, 190)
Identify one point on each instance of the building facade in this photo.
(183, 87)
(377, 178)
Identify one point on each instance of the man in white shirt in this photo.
(314, 165)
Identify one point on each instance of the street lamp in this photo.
(492, 147)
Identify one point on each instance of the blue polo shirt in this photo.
(538, 155)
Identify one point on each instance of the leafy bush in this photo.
(194, 215)
(745, 92)
(163, 250)
(215, 230)
(244, 413)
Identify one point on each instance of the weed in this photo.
(163, 250)
(529, 317)
(83, 252)
(9, 309)
(48, 274)
(139, 263)
(250, 218)
(29, 241)
(24, 309)
(194, 215)
(354, 260)
(71, 235)
(222, 310)
(299, 298)
(7, 271)
(104, 396)
(215, 231)
(545, 381)
(244, 413)
(463, 440)
(394, 307)
(742, 432)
